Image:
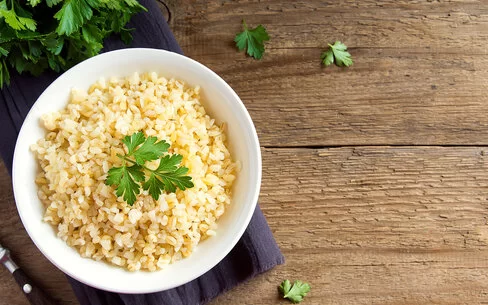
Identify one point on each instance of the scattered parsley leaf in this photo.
(337, 53)
(252, 40)
(294, 293)
(165, 178)
(327, 58)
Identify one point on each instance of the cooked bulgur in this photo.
(81, 145)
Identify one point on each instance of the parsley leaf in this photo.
(34, 2)
(154, 186)
(173, 179)
(252, 40)
(126, 177)
(167, 182)
(52, 3)
(3, 51)
(337, 53)
(15, 21)
(4, 74)
(169, 163)
(165, 178)
(133, 141)
(72, 16)
(294, 293)
(150, 150)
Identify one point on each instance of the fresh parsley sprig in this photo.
(129, 177)
(337, 53)
(296, 292)
(252, 40)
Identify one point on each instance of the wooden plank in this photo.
(376, 225)
(419, 75)
(364, 225)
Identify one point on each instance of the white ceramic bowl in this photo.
(220, 101)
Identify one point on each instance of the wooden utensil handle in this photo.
(35, 295)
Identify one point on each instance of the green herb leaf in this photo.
(53, 45)
(126, 178)
(94, 36)
(132, 2)
(169, 163)
(150, 150)
(13, 20)
(337, 53)
(3, 51)
(252, 40)
(175, 179)
(34, 2)
(7, 34)
(133, 141)
(72, 16)
(294, 293)
(52, 3)
(168, 176)
(125, 35)
(165, 178)
(4, 74)
(327, 58)
(154, 186)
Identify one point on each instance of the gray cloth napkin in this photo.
(255, 253)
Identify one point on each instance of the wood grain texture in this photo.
(419, 75)
(363, 221)
(376, 225)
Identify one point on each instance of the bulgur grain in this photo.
(82, 143)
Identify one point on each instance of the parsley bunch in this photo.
(129, 177)
(57, 34)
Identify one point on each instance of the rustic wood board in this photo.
(374, 177)
(376, 225)
(419, 75)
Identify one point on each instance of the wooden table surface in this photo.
(375, 177)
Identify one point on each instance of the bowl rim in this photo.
(249, 212)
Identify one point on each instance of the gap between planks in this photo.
(369, 145)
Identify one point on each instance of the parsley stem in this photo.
(134, 162)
